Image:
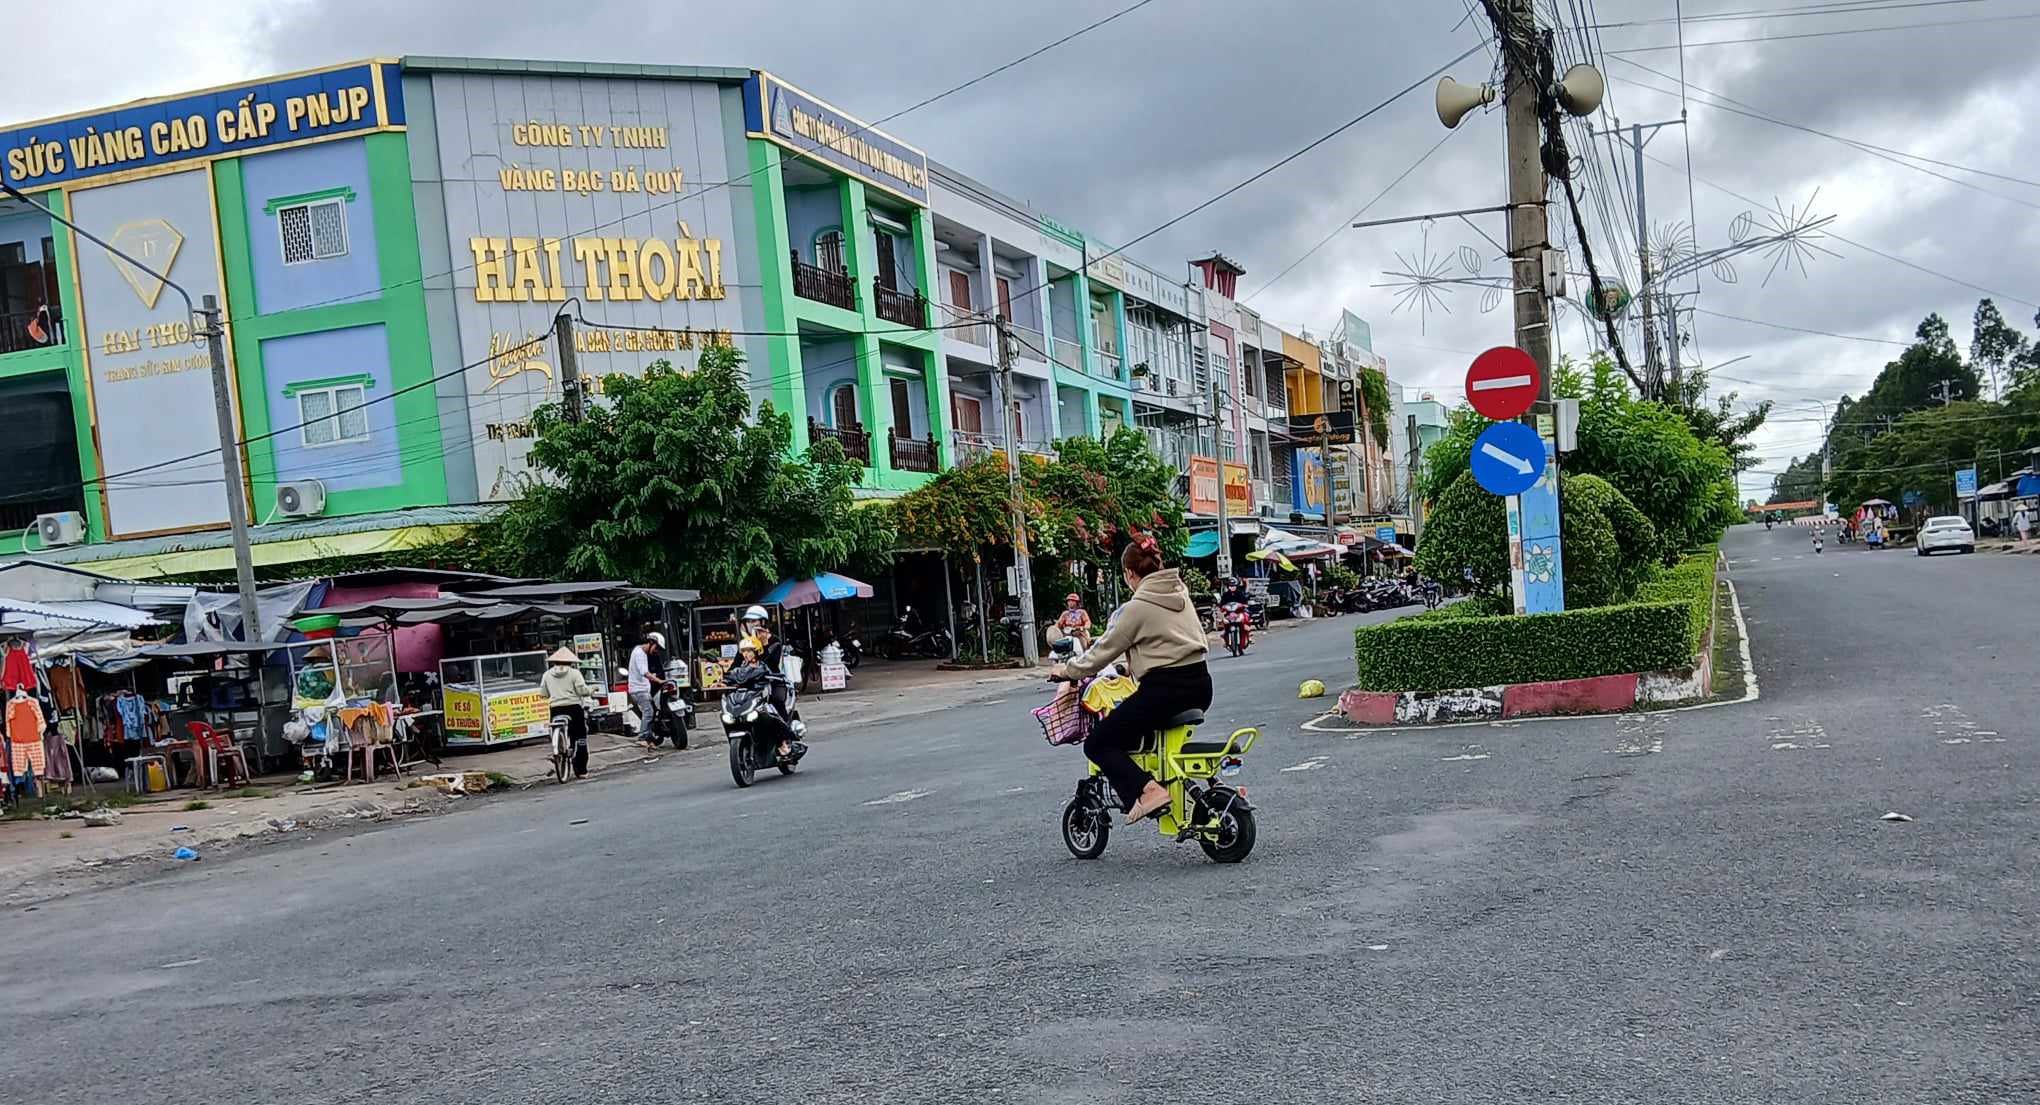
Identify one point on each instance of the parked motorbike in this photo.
(910, 638)
(672, 715)
(755, 719)
(1236, 626)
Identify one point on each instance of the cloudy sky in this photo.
(1145, 117)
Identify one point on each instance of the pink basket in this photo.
(1064, 720)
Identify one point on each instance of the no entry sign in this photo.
(1502, 383)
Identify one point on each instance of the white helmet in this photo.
(657, 638)
(755, 614)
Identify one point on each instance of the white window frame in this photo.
(339, 203)
(305, 422)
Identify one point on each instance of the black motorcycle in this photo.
(910, 638)
(755, 719)
(672, 715)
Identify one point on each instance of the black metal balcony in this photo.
(900, 307)
(823, 285)
(911, 454)
(18, 330)
(856, 441)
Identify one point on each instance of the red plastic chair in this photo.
(220, 762)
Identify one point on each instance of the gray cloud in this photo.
(1151, 114)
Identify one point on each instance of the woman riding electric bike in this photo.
(1162, 640)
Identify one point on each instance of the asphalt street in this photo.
(1701, 906)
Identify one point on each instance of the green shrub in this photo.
(1447, 649)
(1610, 547)
(1467, 529)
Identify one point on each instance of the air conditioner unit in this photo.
(301, 498)
(57, 530)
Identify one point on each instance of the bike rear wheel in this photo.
(563, 765)
(1234, 839)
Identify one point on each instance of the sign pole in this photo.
(1325, 461)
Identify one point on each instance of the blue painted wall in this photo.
(376, 462)
(280, 287)
(824, 365)
(808, 210)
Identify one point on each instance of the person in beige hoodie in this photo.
(1162, 640)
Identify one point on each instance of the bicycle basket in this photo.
(1064, 720)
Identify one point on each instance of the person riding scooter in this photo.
(751, 670)
(1159, 634)
(756, 625)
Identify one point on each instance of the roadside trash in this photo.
(101, 818)
(1311, 688)
(306, 776)
(463, 782)
(283, 826)
(104, 775)
(180, 828)
(184, 854)
(1894, 817)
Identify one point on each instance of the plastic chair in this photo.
(138, 771)
(220, 761)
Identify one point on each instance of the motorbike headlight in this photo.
(727, 718)
(752, 716)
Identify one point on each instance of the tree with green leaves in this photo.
(1997, 347)
(672, 481)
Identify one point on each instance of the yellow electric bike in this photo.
(1204, 805)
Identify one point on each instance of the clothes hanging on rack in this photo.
(17, 671)
(67, 686)
(25, 732)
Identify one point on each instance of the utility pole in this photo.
(1945, 391)
(570, 372)
(212, 327)
(215, 331)
(1529, 234)
(1023, 573)
(1416, 508)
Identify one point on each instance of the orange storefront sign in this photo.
(1239, 487)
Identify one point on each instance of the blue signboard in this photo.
(1965, 483)
(1306, 482)
(780, 113)
(1508, 457)
(1542, 564)
(1385, 534)
(1912, 498)
(349, 100)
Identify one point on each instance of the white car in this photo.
(1945, 532)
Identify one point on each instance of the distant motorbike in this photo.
(755, 718)
(910, 638)
(672, 715)
(1237, 627)
(1434, 594)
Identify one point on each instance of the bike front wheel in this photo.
(741, 768)
(1086, 829)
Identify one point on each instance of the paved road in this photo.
(1690, 907)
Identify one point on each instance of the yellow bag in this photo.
(1311, 688)
(1103, 695)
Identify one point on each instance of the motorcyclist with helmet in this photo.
(755, 625)
(646, 673)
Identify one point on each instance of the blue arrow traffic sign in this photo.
(1508, 458)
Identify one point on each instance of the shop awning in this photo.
(23, 616)
(498, 612)
(1295, 546)
(277, 543)
(602, 589)
(682, 596)
(1202, 543)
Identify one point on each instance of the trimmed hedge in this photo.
(1662, 629)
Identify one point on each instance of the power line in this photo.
(1801, 329)
(1871, 249)
(1346, 223)
(1751, 111)
(1845, 7)
(1827, 34)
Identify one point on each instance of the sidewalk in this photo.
(44, 857)
(2008, 545)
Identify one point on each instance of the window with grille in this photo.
(312, 231)
(332, 416)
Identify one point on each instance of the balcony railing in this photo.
(1032, 344)
(901, 307)
(823, 285)
(856, 441)
(1068, 354)
(972, 446)
(17, 331)
(1108, 363)
(911, 454)
(964, 326)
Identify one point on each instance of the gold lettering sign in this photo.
(622, 270)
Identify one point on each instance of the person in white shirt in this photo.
(566, 692)
(647, 672)
(2022, 522)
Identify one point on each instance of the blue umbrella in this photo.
(826, 587)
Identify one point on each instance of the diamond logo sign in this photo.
(155, 243)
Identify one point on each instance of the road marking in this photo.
(181, 963)
(898, 797)
(1311, 764)
(1465, 756)
(1496, 383)
(1521, 466)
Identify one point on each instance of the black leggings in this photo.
(1163, 693)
